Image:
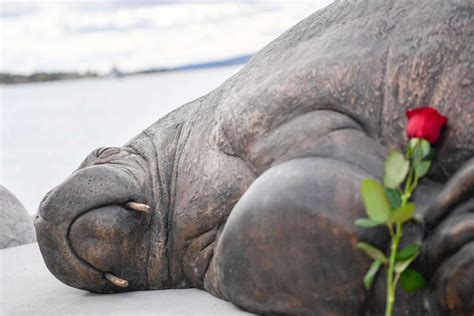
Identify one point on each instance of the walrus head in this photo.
(93, 228)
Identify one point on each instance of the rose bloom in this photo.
(426, 123)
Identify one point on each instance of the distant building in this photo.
(115, 72)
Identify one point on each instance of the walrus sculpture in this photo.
(251, 191)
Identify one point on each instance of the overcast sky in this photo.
(95, 35)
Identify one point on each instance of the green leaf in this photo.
(370, 275)
(375, 200)
(403, 213)
(411, 146)
(366, 223)
(396, 169)
(412, 281)
(425, 147)
(422, 168)
(402, 265)
(419, 149)
(408, 251)
(372, 252)
(394, 198)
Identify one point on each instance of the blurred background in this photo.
(77, 75)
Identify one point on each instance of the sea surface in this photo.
(48, 128)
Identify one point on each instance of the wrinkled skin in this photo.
(253, 188)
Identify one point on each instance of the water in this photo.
(47, 129)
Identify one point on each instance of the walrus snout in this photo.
(88, 210)
(112, 240)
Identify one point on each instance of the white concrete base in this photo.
(27, 288)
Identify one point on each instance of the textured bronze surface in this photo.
(253, 188)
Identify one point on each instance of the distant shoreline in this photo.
(12, 79)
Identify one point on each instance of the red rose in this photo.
(426, 123)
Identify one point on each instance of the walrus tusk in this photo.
(116, 280)
(139, 207)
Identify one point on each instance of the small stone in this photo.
(16, 226)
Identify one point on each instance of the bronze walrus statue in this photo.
(251, 191)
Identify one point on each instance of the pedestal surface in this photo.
(27, 287)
